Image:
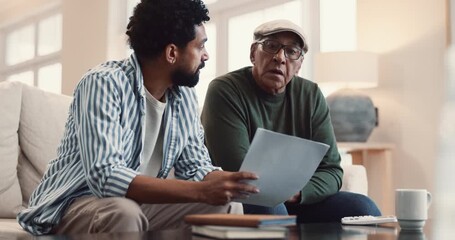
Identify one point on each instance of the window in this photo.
(49, 77)
(338, 25)
(50, 35)
(20, 45)
(32, 51)
(24, 77)
(209, 71)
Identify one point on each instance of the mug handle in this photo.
(428, 199)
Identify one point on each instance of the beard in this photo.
(182, 78)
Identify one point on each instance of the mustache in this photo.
(202, 65)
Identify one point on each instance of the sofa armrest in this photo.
(355, 179)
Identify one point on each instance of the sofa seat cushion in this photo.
(10, 106)
(10, 229)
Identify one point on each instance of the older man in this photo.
(270, 95)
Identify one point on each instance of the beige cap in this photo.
(280, 25)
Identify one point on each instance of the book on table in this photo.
(219, 225)
(227, 232)
(239, 220)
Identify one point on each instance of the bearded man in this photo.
(130, 125)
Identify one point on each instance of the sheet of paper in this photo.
(283, 163)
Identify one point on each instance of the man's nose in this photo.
(205, 56)
(280, 56)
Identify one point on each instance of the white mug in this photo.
(411, 207)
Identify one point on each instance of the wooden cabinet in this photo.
(377, 159)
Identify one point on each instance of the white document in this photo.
(283, 163)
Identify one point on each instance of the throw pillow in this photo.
(42, 123)
(10, 107)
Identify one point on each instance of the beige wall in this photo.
(84, 39)
(410, 36)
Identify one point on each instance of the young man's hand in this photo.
(220, 187)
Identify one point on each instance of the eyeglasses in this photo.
(273, 47)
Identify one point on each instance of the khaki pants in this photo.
(92, 215)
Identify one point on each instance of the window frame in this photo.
(37, 61)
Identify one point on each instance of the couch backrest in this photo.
(41, 126)
(10, 108)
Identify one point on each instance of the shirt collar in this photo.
(138, 78)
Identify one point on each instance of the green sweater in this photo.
(235, 107)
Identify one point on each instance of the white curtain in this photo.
(445, 181)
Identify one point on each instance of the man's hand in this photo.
(295, 198)
(220, 187)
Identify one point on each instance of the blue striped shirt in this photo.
(101, 149)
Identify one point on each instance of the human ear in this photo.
(252, 51)
(171, 53)
(298, 66)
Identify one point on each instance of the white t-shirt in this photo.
(152, 154)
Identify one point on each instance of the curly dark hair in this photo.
(157, 23)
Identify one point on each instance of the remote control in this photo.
(367, 220)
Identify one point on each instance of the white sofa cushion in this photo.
(42, 123)
(355, 179)
(10, 229)
(10, 192)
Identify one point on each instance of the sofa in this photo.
(31, 126)
(32, 122)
